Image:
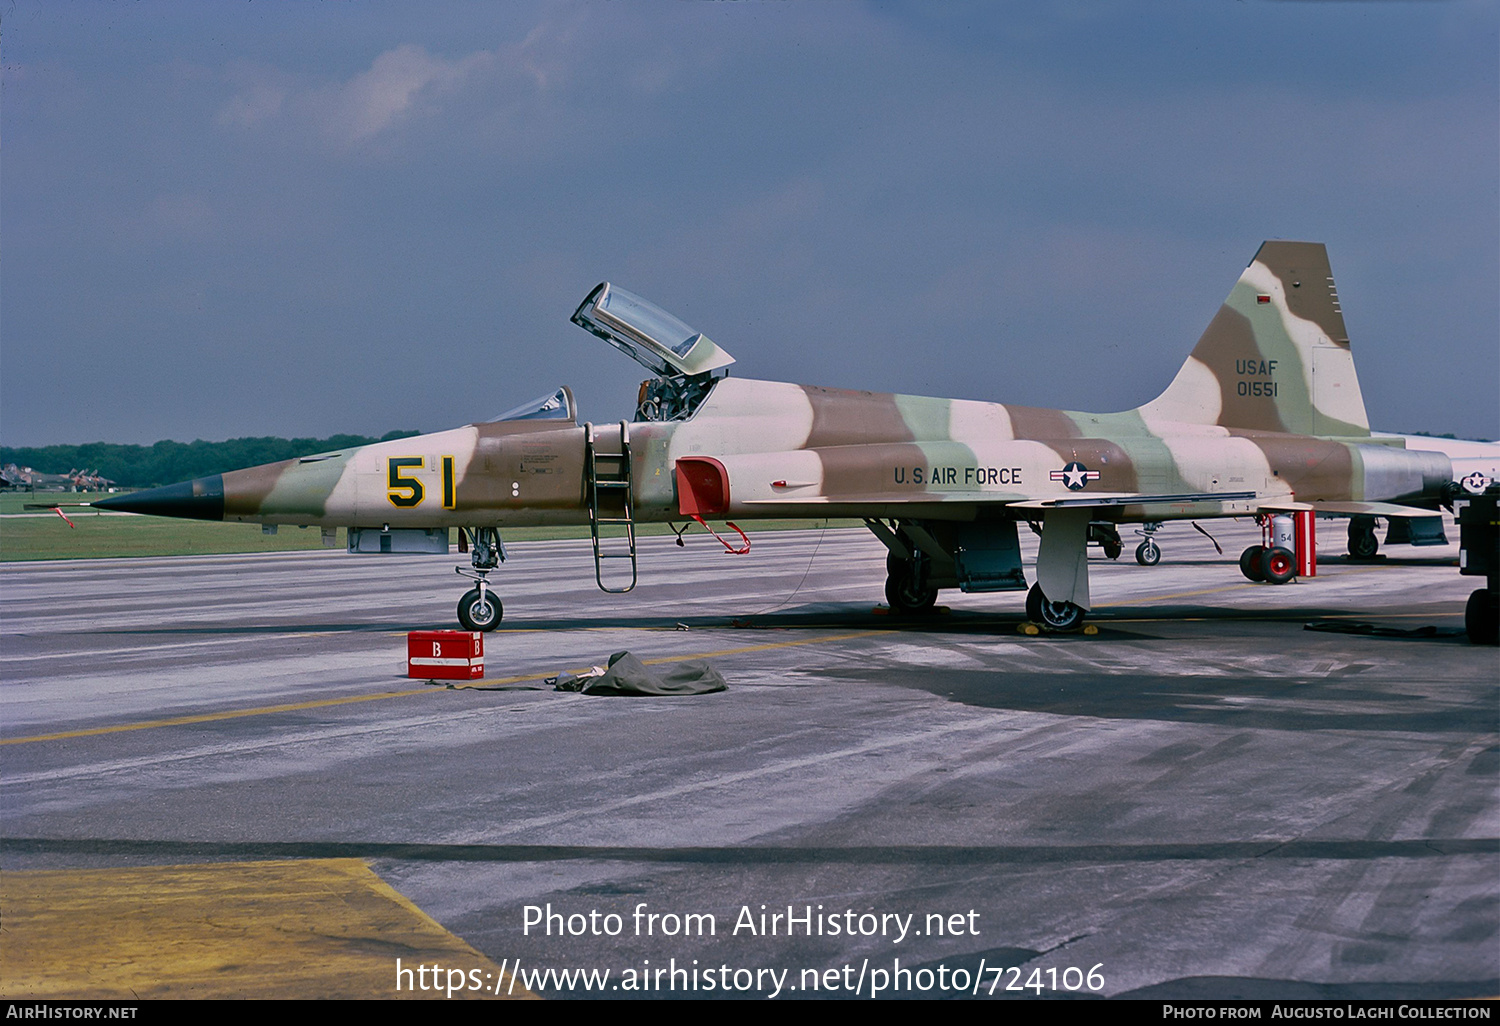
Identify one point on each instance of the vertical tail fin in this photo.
(1276, 357)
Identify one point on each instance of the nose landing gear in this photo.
(480, 609)
(1148, 553)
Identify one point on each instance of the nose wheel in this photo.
(1148, 553)
(480, 609)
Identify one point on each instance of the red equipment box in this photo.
(445, 655)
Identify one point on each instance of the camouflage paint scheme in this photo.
(1266, 413)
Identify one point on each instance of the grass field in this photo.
(100, 536)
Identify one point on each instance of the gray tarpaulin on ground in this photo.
(627, 675)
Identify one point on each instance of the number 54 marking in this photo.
(406, 492)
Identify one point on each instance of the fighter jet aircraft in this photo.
(1265, 416)
(24, 478)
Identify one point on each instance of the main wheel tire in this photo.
(904, 595)
(1148, 553)
(1055, 616)
(1279, 565)
(1108, 537)
(1250, 563)
(1362, 542)
(1480, 618)
(477, 615)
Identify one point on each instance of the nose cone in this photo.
(199, 499)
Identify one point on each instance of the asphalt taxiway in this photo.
(1203, 798)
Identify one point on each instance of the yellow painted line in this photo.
(325, 928)
(323, 703)
(177, 721)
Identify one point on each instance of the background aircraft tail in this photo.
(1276, 357)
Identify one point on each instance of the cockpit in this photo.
(686, 363)
(557, 405)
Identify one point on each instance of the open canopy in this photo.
(648, 334)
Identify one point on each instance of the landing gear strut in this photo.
(480, 609)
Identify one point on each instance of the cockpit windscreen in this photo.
(557, 405)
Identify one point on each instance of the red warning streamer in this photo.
(727, 547)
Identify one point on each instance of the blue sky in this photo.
(300, 219)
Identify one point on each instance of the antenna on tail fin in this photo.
(1275, 357)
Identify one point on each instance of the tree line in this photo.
(167, 462)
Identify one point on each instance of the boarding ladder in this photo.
(607, 493)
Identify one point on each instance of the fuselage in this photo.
(798, 451)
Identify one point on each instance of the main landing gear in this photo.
(924, 557)
(1055, 616)
(480, 609)
(906, 584)
(1107, 535)
(1362, 541)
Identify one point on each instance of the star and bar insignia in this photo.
(1475, 483)
(1075, 475)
